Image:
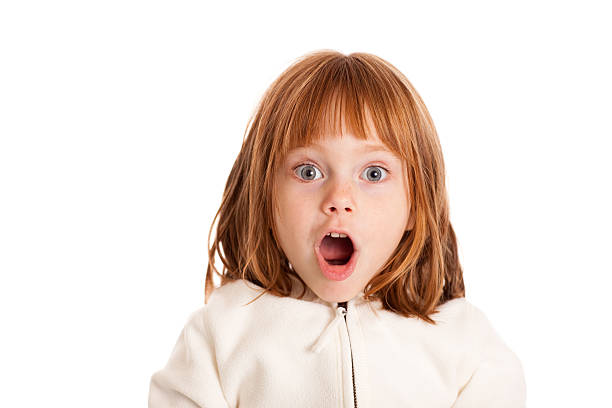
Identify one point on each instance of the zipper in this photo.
(344, 307)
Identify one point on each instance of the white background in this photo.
(120, 121)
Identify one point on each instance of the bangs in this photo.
(344, 95)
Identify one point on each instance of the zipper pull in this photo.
(344, 307)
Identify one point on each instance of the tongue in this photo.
(336, 248)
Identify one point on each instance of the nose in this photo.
(340, 200)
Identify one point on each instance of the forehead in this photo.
(348, 144)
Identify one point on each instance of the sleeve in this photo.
(498, 381)
(190, 378)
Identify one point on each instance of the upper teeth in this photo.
(336, 235)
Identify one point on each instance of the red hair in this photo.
(320, 93)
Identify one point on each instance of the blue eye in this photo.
(307, 171)
(376, 173)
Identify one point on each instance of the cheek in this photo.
(294, 208)
(294, 196)
(388, 211)
(384, 198)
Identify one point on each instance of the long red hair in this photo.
(309, 99)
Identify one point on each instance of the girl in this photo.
(341, 285)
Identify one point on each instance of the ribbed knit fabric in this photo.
(289, 352)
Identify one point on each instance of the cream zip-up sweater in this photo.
(289, 352)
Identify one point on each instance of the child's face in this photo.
(339, 184)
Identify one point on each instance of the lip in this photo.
(337, 272)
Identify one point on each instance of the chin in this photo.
(334, 295)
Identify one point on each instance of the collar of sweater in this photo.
(339, 311)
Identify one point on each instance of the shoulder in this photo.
(222, 300)
(491, 351)
(483, 331)
(463, 315)
(242, 306)
(226, 302)
(474, 321)
(223, 322)
(469, 324)
(233, 293)
(237, 318)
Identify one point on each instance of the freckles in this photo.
(301, 205)
(385, 207)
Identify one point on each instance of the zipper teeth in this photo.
(354, 389)
(344, 311)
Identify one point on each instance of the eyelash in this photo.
(314, 165)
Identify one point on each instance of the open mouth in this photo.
(337, 256)
(336, 250)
